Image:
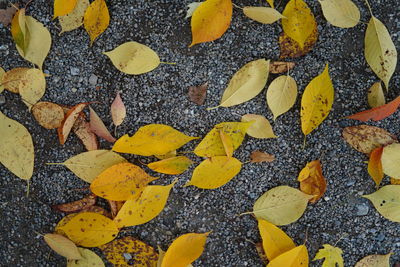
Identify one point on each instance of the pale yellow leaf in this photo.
(387, 202)
(96, 19)
(261, 128)
(295, 257)
(265, 15)
(118, 110)
(63, 7)
(172, 165)
(19, 30)
(340, 13)
(281, 95)
(62, 246)
(374, 261)
(48, 115)
(391, 160)
(271, 3)
(74, 19)
(332, 256)
(89, 259)
(376, 97)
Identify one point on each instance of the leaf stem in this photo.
(208, 109)
(369, 7)
(245, 213)
(236, 6)
(168, 63)
(304, 142)
(28, 187)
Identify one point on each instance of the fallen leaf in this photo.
(316, 102)
(340, 13)
(227, 143)
(281, 95)
(376, 97)
(291, 48)
(261, 253)
(215, 172)
(298, 22)
(391, 160)
(63, 246)
(144, 209)
(332, 256)
(378, 113)
(19, 29)
(184, 250)
(191, 8)
(387, 202)
(374, 261)
(265, 15)
(197, 94)
(173, 165)
(120, 182)
(394, 181)
(380, 52)
(297, 256)
(89, 258)
(74, 19)
(88, 165)
(271, 3)
(261, 128)
(246, 83)
(118, 110)
(82, 129)
(48, 115)
(375, 165)
(13, 78)
(90, 229)
(6, 15)
(152, 139)
(167, 155)
(69, 121)
(99, 210)
(63, 7)
(115, 206)
(277, 67)
(77, 205)
(212, 145)
(312, 181)
(259, 156)
(133, 58)
(16, 146)
(281, 205)
(97, 126)
(142, 255)
(365, 138)
(96, 19)
(210, 20)
(275, 241)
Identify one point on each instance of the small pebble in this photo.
(93, 79)
(362, 209)
(74, 90)
(2, 99)
(74, 71)
(327, 198)
(380, 237)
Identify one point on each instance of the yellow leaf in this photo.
(376, 96)
(299, 21)
(246, 83)
(281, 205)
(227, 143)
(332, 255)
(89, 259)
(118, 110)
(142, 210)
(312, 182)
(212, 145)
(261, 128)
(16, 146)
(120, 182)
(387, 202)
(211, 20)
(291, 48)
(152, 139)
(63, 7)
(271, 3)
(374, 261)
(133, 58)
(275, 241)
(167, 155)
(88, 165)
(74, 19)
(316, 102)
(96, 19)
(90, 229)
(375, 165)
(340, 13)
(380, 51)
(174, 165)
(391, 160)
(49, 115)
(265, 15)
(295, 257)
(142, 254)
(184, 250)
(2, 72)
(215, 172)
(19, 30)
(62, 246)
(281, 95)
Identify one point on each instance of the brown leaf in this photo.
(261, 253)
(291, 48)
(277, 67)
(99, 210)
(312, 182)
(365, 138)
(97, 126)
(69, 121)
(115, 206)
(378, 113)
(259, 156)
(82, 129)
(197, 94)
(7, 14)
(78, 205)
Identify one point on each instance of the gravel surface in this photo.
(80, 73)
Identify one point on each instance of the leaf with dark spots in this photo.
(197, 94)
(277, 67)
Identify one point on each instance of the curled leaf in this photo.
(118, 110)
(19, 30)
(77, 205)
(375, 165)
(312, 182)
(63, 246)
(260, 128)
(97, 126)
(82, 129)
(69, 121)
(378, 113)
(96, 19)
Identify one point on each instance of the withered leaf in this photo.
(82, 129)
(277, 67)
(261, 253)
(69, 120)
(259, 156)
(115, 206)
(6, 15)
(99, 210)
(77, 205)
(197, 94)
(290, 48)
(48, 115)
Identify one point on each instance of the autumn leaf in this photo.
(82, 129)
(215, 172)
(97, 126)
(191, 8)
(390, 160)
(394, 181)
(376, 97)
(6, 15)
(378, 113)
(340, 13)
(77, 205)
(375, 261)
(387, 201)
(297, 256)
(173, 165)
(74, 19)
(48, 115)
(227, 143)
(118, 110)
(281, 95)
(289, 48)
(120, 182)
(259, 156)
(375, 165)
(167, 155)
(332, 256)
(271, 3)
(62, 246)
(312, 182)
(184, 250)
(260, 128)
(19, 30)
(152, 139)
(89, 258)
(96, 19)
(316, 102)
(133, 58)
(265, 15)
(63, 7)
(365, 138)
(210, 20)
(197, 94)
(69, 121)
(277, 67)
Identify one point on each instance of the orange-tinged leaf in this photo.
(69, 121)
(278, 67)
(82, 129)
(259, 156)
(90, 229)
(63, 246)
(295, 257)
(97, 126)
(18, 29)
(173, 165)
(211, 20)
(142, 254)
(375, 165)
(77, 205)
(394, 181)
(275, 241)
(378, 113)
(289, 48)
(227, 143)
(118, 110)
(48, 115)
(312, 182)
(184, 250)
(121, 182)
(63, 7)
(96, 19)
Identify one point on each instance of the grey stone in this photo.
(74, 71)
(93, 79)
(362, 209)
(2, 99)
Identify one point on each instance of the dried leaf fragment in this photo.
(63, 246)
(312, 181)
(378, 113)
(259, 156)
(376, 96)
(118, 110)
(96, 19)
(48, 115)
(82, 129)
(197, 94)
(97, 126)
(77, 205)
(277, 67)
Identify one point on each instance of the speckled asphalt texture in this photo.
(161, 97)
